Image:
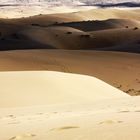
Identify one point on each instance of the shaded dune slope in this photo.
(69, 38)
(95, 25)
(88, 30)
(58, 37)
(38, 37)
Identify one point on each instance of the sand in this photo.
(38, 88)
(69, 76)
(75, 116)
(26, 11)
(102, 113)
(92, 31)
(106, 120)
(121, 70)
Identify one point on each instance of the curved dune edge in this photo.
(121, 72)
(48, 87)
(93, 109)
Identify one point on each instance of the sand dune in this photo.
(60, 37)
(95, 25)
(88, 29)
(121, 70)
(26, 10)
(96, 14)
(55, 31)
(37, 88)
(77, 107)
(103, 14)
(117, 37)
(108, 119)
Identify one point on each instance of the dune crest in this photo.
(38, 88)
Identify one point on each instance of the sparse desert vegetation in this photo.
(85, 36)
(69, 32)
(136, 28)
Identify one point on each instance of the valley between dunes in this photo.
(69, 76)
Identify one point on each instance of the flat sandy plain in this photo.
(70, 76)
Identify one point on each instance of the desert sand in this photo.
(102, 113)
(120, 70)
(67, 111)
(108, 120)
(37, 88)
(69, 73)
(97, 29)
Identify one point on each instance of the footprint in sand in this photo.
(39, 113)
(11, 116)
(137, 110)
(24, 136)
(14, 123)
(64, 128)
(110, 122)
(54, 112)
(124, 111)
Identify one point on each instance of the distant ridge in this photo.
(124, 4)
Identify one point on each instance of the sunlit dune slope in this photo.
(46, 87)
